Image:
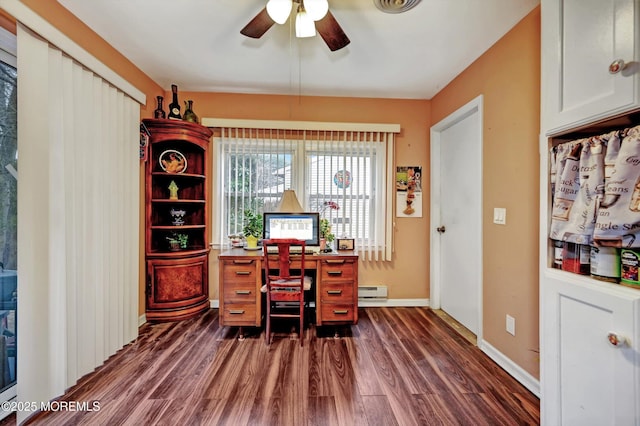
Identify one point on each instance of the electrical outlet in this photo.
(511, 325)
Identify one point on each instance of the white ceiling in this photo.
(197, 45)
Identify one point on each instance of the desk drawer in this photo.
(337, 292)
(240, 292)
(240, 314)
(239, 270)
(338, 269)
(337, 312)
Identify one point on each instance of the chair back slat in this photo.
(281, 286)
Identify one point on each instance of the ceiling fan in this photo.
(310, 16)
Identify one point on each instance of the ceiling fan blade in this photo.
(258, 25)
(331, 32)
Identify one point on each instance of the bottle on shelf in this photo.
(605, 263)
(159, 112)
(576, 258)
(557, 254)
(189, 115)
(174, 106)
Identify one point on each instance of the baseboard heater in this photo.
(372, 292)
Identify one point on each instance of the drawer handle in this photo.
(243, 272)
(236, 311)
(243, 262)
(334, 291)
(243, 291)
(335, 261)
(334, 272)
(341, 311)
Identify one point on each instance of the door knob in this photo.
(617, 66)
(440, 229)
(616, 340)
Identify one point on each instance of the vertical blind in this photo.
(343, 173)
(78, 228)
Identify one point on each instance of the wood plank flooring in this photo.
(397, 366)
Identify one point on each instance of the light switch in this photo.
(500, 216)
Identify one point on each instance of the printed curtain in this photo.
(596, 190)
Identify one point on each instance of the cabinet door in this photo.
(177, 283)
(585, 379)
(580, 40)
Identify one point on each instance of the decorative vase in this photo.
(252, 242)
(323, 244)
(159, 112)
(189, 115)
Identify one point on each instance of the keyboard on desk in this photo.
(296, 250)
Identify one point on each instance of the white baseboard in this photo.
(383, 303)
(142, 319)
(369, 303)
(525, 379)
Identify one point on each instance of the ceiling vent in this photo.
(395, 6)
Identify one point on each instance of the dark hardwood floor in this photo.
(397, 366)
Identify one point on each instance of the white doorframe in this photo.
(475, 106)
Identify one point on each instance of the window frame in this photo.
(381, 248)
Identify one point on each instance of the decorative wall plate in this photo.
(173, 161)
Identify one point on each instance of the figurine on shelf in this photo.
(173, 191)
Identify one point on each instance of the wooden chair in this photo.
(285, 292)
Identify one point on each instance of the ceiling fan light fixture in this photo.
(316, 9)
(305, 26)
(279, 10)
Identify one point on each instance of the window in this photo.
(8, 215)
(342, 174)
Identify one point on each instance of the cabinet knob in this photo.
(617, 66)
(616, 340)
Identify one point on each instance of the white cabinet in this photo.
(581, 39)
(586, 379)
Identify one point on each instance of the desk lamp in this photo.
(289, 202)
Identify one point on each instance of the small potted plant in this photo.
(178, 241)
(326, 236)
(252, 229)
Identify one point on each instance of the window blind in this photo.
(341, 170)
(78, 233)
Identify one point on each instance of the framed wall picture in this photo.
(345, 243)
(409, 191)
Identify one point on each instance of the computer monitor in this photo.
(301, 226)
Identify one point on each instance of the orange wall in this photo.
(407, 275)
(508, 75)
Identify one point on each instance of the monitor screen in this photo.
(301, 226)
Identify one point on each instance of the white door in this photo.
(456, 200)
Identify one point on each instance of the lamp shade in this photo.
(305, 27)
(279, 10)
(316, 9)
(289, 202)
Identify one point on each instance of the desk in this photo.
(336, 284)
